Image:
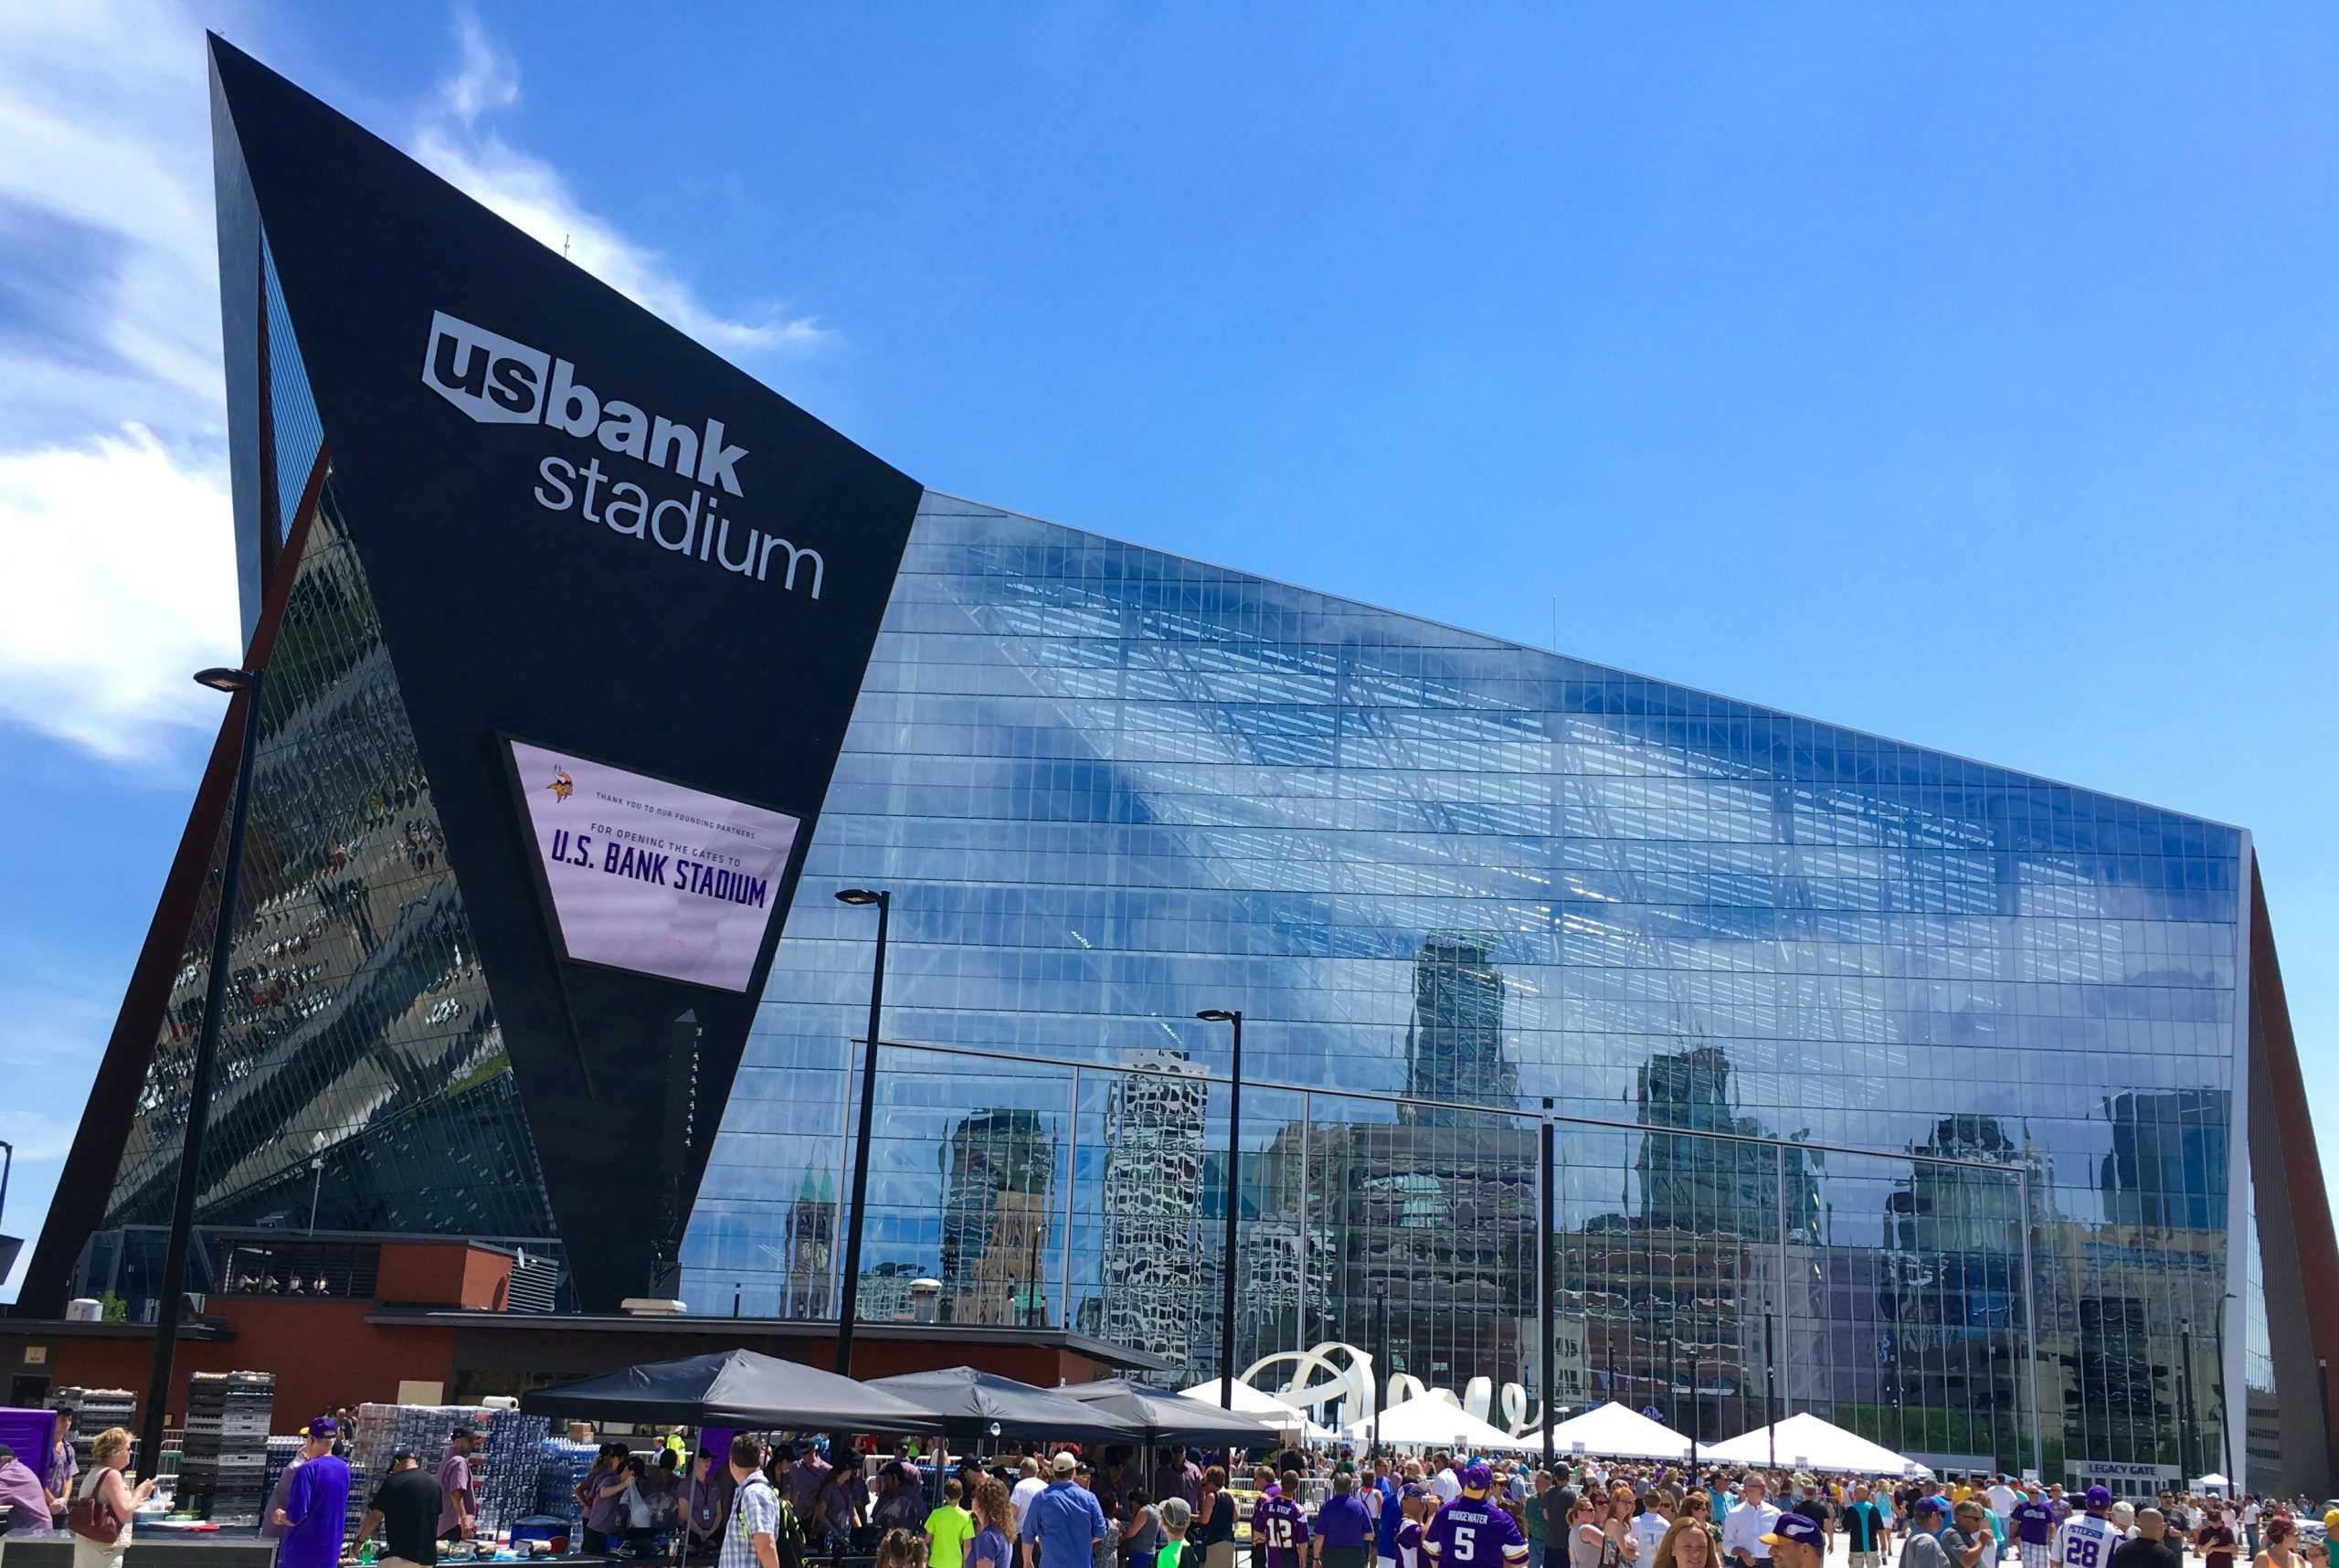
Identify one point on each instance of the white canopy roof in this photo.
(1429, 1421)
(1613, 1430)
(1264, 1405)
(2212, 1482)
(1806, 1442)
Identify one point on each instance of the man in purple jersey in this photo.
(1279, 1526)
(1472, 1531)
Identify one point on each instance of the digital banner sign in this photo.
(651, 876)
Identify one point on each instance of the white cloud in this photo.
(530, 194)
(485, 80)
(106, 115)
(116, 563)
(122, 584)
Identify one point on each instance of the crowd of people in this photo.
(760, 1504)
(1452, 1510)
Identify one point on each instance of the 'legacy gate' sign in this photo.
(651, 876)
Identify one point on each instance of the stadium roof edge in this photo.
(1613, 669)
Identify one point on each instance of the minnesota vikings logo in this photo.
(562, 786)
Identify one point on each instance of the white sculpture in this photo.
(1345, 1391)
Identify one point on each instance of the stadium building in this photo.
(1958, 1106)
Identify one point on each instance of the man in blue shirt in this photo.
(316, 1508)
(1344, 1525)
(1064, 1523)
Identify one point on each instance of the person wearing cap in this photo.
(1924, 1547)
(1797, 1541)
(1471, 1530)
(406, 1507)
(316, 1506)
(2088, 1540)
(457, 1505)
(1065, 1524)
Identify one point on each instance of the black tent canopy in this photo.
(735, 1388)
(977, 1405)
(1172, 1418)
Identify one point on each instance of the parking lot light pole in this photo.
(1233, 1203)
(247, 684)
(849, 1290)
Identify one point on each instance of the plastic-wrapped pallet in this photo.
(361, 1496)
(504, 1471)
(561, 1470)
(503, 1460)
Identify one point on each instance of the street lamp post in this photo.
(7, 1163)
(849, 1288)
(2225, 1408)
(1379, 1344)
(1234, 1204)
(1548, 1222)
(1771, 1385)
(246, 684)
(2323, 1389)
(2187, 1422)
(1697, 1416)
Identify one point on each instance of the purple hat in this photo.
(1794, 1527)
(2099, 1497)
(1477, 1478)
(323, 1426)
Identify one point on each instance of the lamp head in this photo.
(221, 679)
(859, 895)
(1217, 1015)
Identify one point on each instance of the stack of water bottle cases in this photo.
(505, 1462)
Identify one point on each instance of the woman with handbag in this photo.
(104, 1502)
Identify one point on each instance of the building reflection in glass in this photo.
(1447, 877)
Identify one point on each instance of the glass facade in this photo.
(361, 1076)
(1892, 1086)
(1873, 1082)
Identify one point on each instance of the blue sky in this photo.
(1962, 373)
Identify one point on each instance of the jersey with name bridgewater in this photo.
(2087, 1541)
(1473, 1533)
(1279, 1525)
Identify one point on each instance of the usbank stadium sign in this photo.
(584, 528)
(498, 381)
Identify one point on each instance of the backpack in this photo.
(787, 1536)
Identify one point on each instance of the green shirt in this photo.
(951, 1527)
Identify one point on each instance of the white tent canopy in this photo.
(1613, 1430)
(1806, 1442)
(2212, 1482)
(1430, 1422)
(1264, 1405)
